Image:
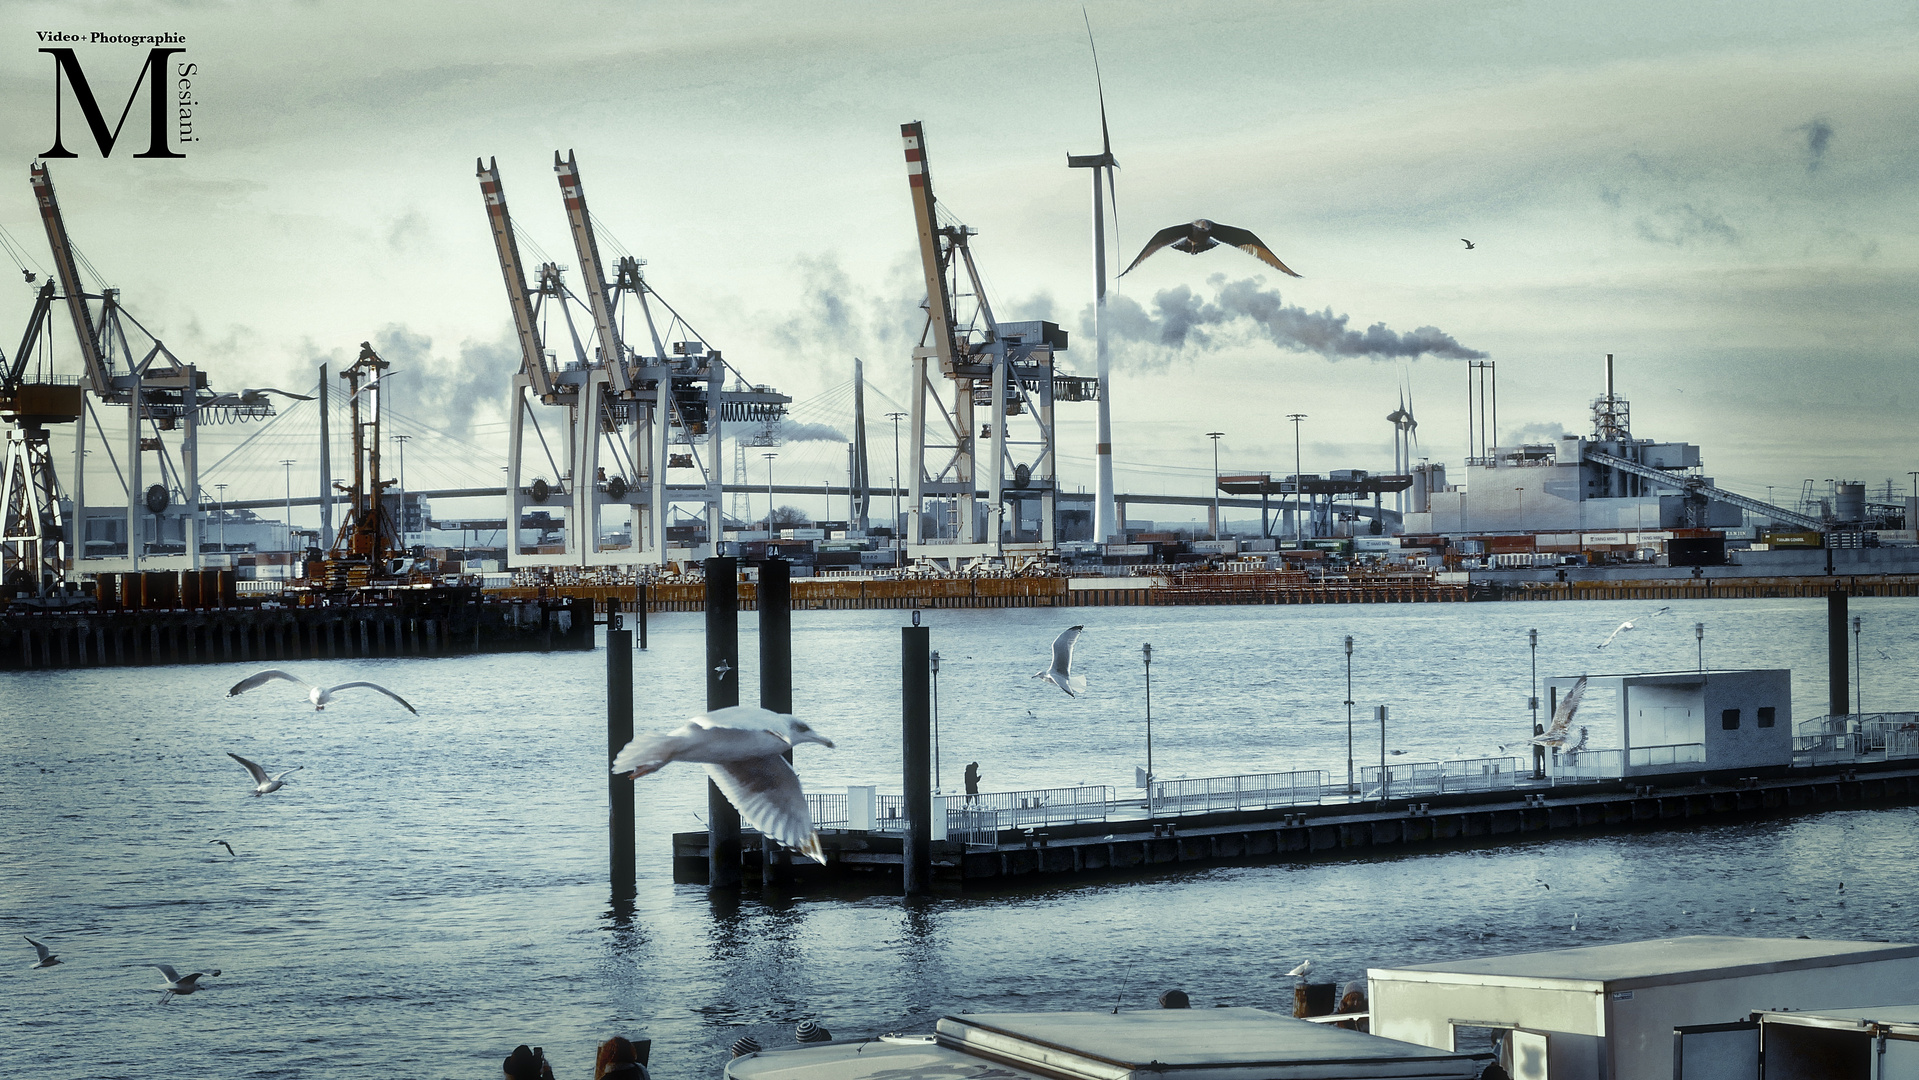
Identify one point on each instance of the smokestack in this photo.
(1609, 375)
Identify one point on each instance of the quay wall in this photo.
(72, 639)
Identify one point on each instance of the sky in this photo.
(1720, 195)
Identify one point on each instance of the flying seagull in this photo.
(223, 843)
(1469, 244)
(321, 696)
(742, 748)
(1633, 624)
(180, 984)
(262, 783)
(1204, 235)
(1555, 734)
(1059, 673)
(47, 959)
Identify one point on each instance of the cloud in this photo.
(839, 318)
(448, 393)
(1243, 310)
(793, 432)
(1535, 433)
(1818, 135)
(1679, 224)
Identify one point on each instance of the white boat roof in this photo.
(1203, 1044)
(1659, 962)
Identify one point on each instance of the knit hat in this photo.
(744, 1045)
(521, 1063)
(810, 1032)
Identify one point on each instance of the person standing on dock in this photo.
(972, 779)
(1539, 754)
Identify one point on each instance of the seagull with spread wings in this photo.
(1059, 672)
(1633, 624)
(1556, 733)
(47, 959)
(262, 783)
(178, 984)
(743, 749)
(1203, 235)
(320, 696)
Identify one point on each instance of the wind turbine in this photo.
(1105, 512)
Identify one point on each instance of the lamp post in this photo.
(769, 456)
(1699, 637)
(1532, 705)
(898, 551)
(934, 659)
(223, 517)
(1859, 692)
(1297, 483)
(826, 494)
(1214, 435)
(1146, 651)
(289, 463)
(1384, 785)
(1349, 716)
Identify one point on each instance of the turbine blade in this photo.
(1112, 196)
(1105, 141)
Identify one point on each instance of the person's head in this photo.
(524, 1063)
(1175, 999)
(614, 1051)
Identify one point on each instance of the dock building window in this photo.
(1729, 719)
(1765, 715)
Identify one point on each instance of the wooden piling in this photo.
(774, 597)
(622, 865)
(917, 754)
(722, 691)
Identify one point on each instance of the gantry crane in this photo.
(626, 412)
(1002, 386)
(166, 401)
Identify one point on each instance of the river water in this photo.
(429, 891)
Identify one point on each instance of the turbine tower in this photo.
(1105, 514)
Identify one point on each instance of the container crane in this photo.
(166, 401)
(997, 372)
(626, 409)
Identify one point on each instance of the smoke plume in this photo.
(792, 431)
(1180, 319)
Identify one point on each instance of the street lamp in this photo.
(223, 517)
(1699, 638)
(1214, 435)
(934, 657)
(1146, 651)
(289, 463)
(1859, 692)
(1532, 704)
(1349, 716)
(1297, 484)
(826, 493)
(402, 440)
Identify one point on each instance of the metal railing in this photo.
(1850, 737)
(976, 827)
(1590, 765)
(829, 811)
(1404, 780)
(1255, 791)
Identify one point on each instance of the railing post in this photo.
(722, 691)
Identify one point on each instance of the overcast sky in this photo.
(1722, 195)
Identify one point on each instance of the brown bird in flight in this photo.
(1204, 235)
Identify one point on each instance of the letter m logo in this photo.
(66, 72)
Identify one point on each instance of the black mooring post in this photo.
(916, 739)
(639, 610)
(722, 691)
(1839, 695)
(619, 732)
(776, 681)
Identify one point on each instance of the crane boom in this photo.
(532, 352)
(65, 266)
(580, 222)
(939, 299)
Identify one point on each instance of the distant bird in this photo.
(742, 748)
(1469, 244)
(223, 844)
(1542, 885)
(178, 984)
(320, 696)
(1304, 969)
(1633, 624)
(1059, 673)
(262, 783)
(1575, 928)
(1204, 235)
(1397, 753)
(47, 959)
(1555, 734)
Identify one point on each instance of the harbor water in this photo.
(429, 891)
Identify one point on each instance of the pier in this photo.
(1127, 841)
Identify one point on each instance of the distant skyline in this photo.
(1721, 195)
